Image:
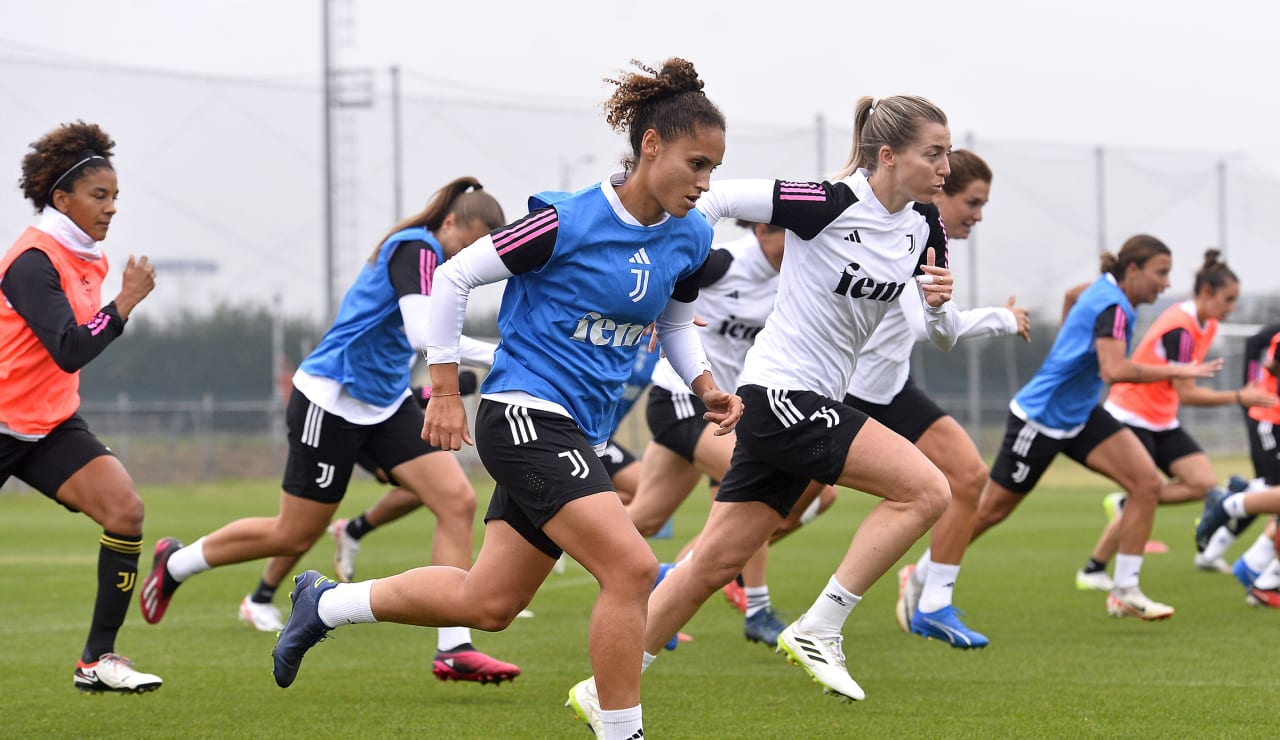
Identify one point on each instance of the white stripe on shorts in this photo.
(311, 427)
(782, 407)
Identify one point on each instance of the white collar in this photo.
(64, 231)
(607, 186)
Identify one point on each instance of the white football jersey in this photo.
(735, 306)
(847, 261)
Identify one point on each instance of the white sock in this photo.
(827, 615)
(622, 724)
(1257, 484)
(1218, 545)
(811, 511)
(1270, 578)
(1127, 570)
(1234, 506)
(757, 599)
(647, 661)
(939, 585)
(1260, 553)
(448, 638)
(187, 561)
(346, 603)
(922, 567)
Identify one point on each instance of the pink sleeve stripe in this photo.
(801, 191)
(426, 270)
(1185, 351)
(784, 196)
(525, 231)
(1117, 328)
(98, 323)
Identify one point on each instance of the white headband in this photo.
(71, 169)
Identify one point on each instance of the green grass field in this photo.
(1057, 665)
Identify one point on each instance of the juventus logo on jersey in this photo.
(580, 469)
(826, 414)
(641, 288)
(911, 243)
(522, 430)
(325, 479)
(855, 237)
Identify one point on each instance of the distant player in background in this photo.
(350, 397)
(1057, 412)
(882, 389)
(52, 323)
(586, 274)
(1181, 335)
(1257, 569)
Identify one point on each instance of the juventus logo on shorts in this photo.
(326, 475)
(783, 408)
(522, 430)
(580, 469)
(827, 415)
(1020, 470)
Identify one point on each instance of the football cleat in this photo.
(822, 658)
(1216, 565)
(1213, 516)
(345, 548)
(1131, 602)
(585, 704)
(763, 626)
(1265, 597)
(1243, 573)
(262, 617)
(944, 624)
(1098, 581)
(151, 597)
(909, 589)
(465, 663)
(111, 672)
(1113, 504)
(736, 595)
(304, 628)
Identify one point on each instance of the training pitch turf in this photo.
(1057, 666)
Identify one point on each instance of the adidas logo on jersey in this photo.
(855, 237)
(864, 287)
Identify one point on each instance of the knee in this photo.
(967, 484)
(125, 513)
(934, 497)
(1146, 486)
(457, 506)
(495, 617)
(647, 525)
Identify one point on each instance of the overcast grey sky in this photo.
(1172, 78)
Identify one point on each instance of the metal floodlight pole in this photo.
(396, 167)
(327, 156)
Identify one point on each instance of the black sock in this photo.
(1236, 526)
(359, 527)
(264, 593)
(1095, 566)
(738, 580)
(117, 574)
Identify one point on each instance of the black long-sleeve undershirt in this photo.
(33, 287)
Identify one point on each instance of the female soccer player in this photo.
(1180, 335)
(735, 298)
(853, 246)
(351, 397)
(882, 389)
(52, 323)
(587, 274)
(1058, 412)
(1257, 568)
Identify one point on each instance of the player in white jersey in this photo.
(882, 389)
(853, 246)
(736, 296)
